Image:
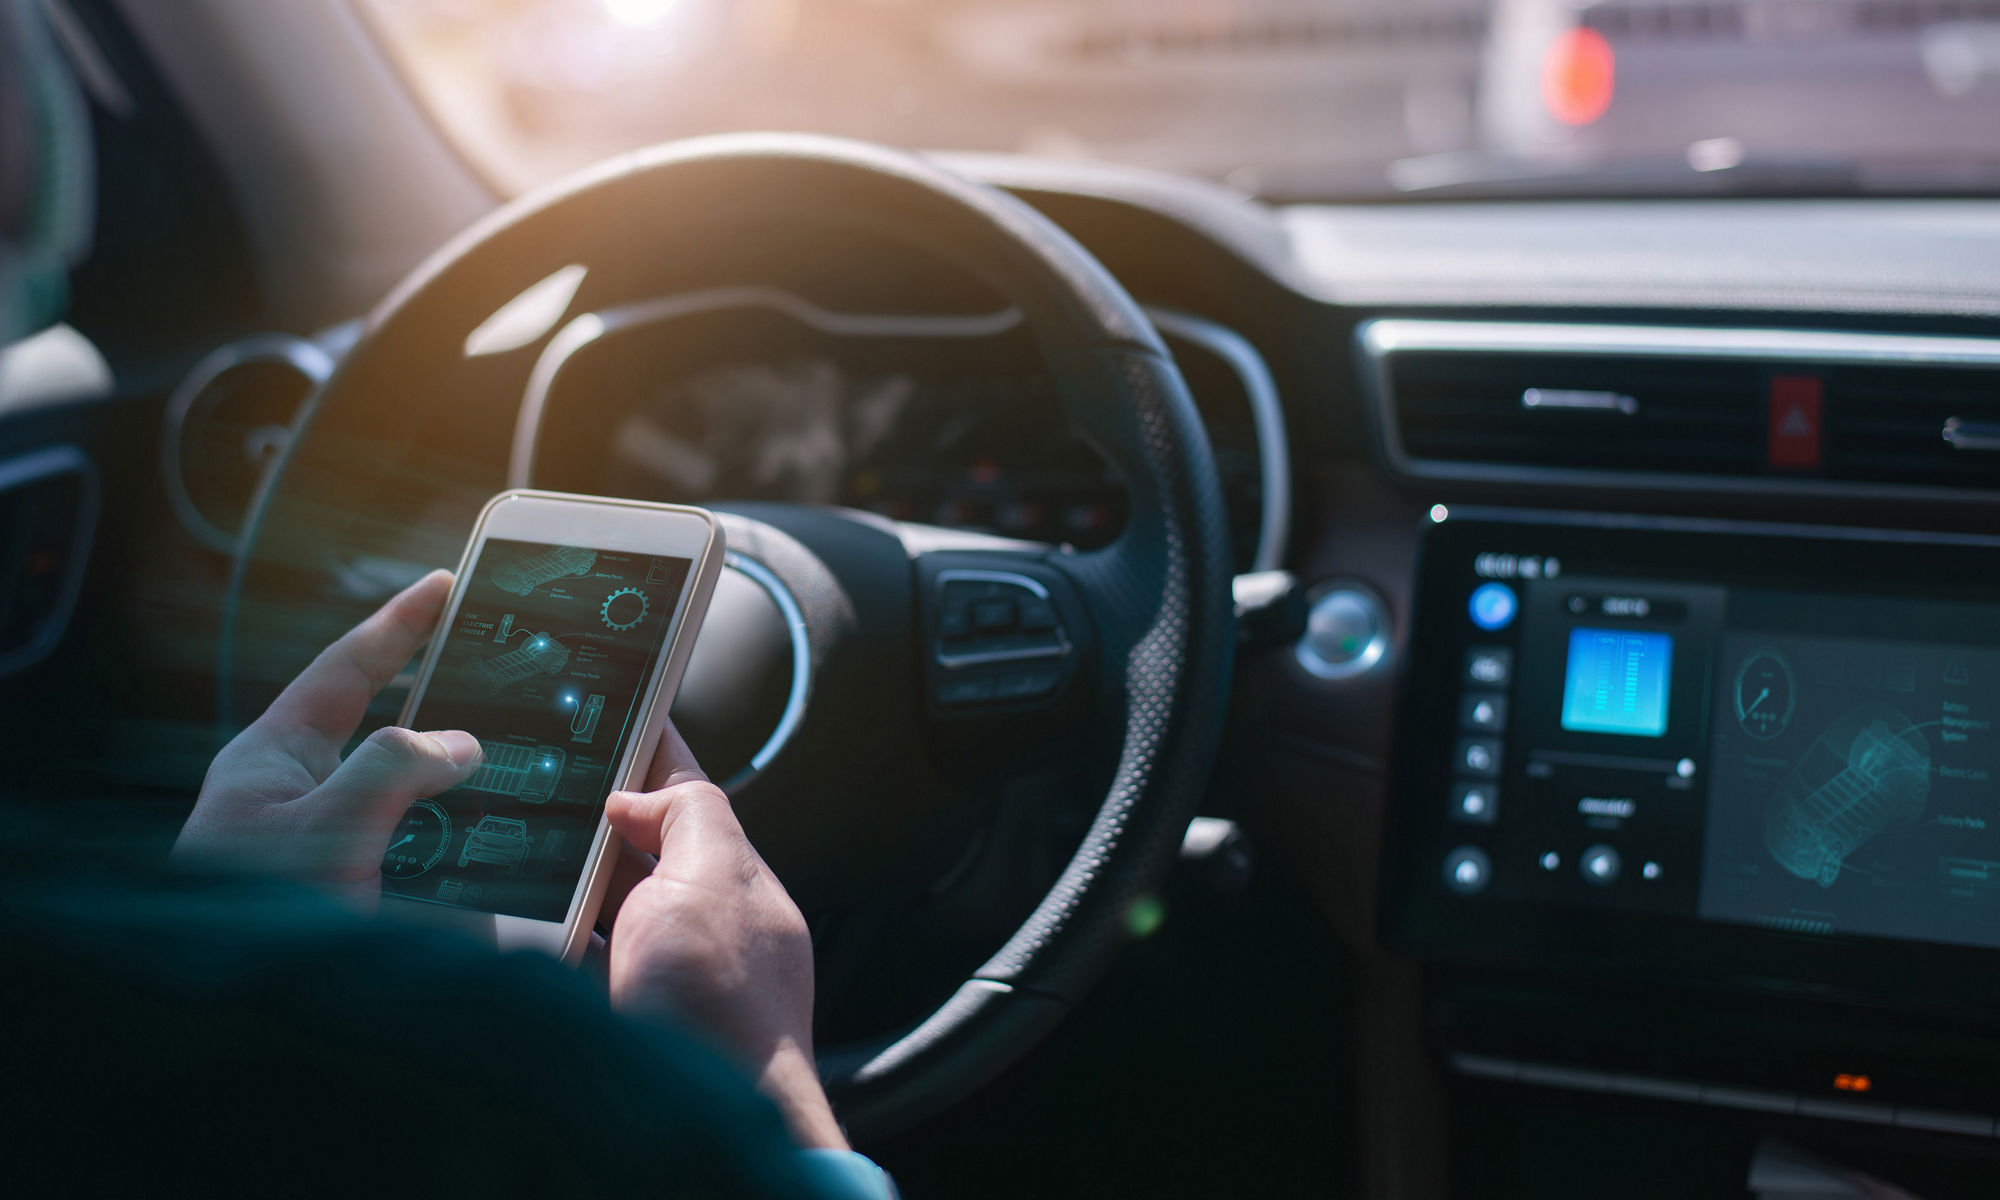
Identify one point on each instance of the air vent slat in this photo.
(1857, 409)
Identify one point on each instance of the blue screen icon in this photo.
(1493, 606)
(1617, 682)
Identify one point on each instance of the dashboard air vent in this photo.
(1647, 405)
(225, 424)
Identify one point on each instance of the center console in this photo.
(1701, 765)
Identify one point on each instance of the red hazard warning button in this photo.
(1794, 439)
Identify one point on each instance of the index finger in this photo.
(330, 697)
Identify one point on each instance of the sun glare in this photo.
(637, 14)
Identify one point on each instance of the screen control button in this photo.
(1476, 803)
(1467, 870)
(1493, 606)
(1492, 666)
(1600, 865)
(1479, 756)
(1483, 711)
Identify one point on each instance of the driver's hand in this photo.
(279, 799)
(708, 933)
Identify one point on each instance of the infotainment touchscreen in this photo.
(1728, 726)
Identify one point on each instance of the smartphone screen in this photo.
(545, 662)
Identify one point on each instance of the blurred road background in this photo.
(1288, 98)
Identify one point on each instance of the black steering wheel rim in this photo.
(1159, 594)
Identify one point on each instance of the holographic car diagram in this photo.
(541, 654)
(525, 576)
(1869, 770)
(501, 841)
(527, 772)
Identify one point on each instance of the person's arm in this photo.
(705, 930)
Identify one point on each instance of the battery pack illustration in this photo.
(525, 576)
(540, 655)
(527, 772)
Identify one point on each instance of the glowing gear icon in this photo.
(627, 616)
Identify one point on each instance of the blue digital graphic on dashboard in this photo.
(1660, 730)
(544, 664)
(1617, 682)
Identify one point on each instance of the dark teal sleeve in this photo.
(232, 1036)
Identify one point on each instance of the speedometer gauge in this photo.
(419, 841)
(1765, 694)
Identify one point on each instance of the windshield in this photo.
(1281, 98)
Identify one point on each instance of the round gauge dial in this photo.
(419, 841)
(1765, 694)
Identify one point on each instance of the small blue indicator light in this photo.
(1493, 606)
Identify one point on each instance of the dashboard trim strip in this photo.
(1763, 1100)
(1378, 339)
(1267, 411)
(1718, 525)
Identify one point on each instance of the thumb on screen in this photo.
(368, 793)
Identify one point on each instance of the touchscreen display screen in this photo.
(1680, 725)
(1851, 783)
(545, 663)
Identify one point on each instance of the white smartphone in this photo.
(560, 650)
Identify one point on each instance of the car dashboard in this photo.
(1637, 743)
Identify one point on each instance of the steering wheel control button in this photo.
(1601, 865)
(1025, 685)
(1489, 666)
(1475, 803)
(1479, 756)
(1346, 634)
(992, 616)
(1467, 870)
(1000, 640)
(955, 624)
(975, 690)
(1037, 615)
(1482, 712)
(1493, 606)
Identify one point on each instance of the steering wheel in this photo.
(927, 654)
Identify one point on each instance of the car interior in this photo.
(1393, 598)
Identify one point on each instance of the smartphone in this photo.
(560, 650)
